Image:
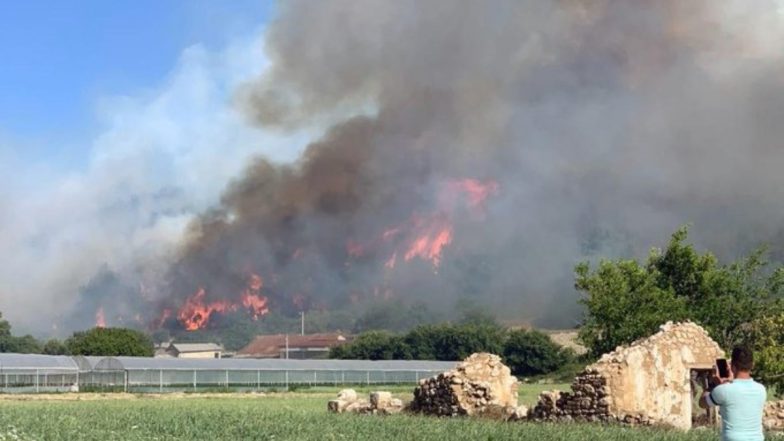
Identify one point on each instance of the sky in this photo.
(118, 125)
(60, 58)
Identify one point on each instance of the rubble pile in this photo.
(773, 416)
(378, 403)
(480, 385)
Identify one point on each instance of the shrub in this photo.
(530, 353)
(110, 342)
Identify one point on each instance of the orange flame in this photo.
(475, 191)
(429, 246)
(195, 313)
(100, 319)
(252, 299)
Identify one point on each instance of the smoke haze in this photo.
(507, 140)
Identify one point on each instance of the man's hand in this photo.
(716, 380)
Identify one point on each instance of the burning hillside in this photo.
(477, 152)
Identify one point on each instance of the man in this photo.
(740, 399)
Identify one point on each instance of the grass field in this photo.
(284, 416)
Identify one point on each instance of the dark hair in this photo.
(742, 358)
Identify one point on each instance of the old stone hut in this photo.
(652, 381)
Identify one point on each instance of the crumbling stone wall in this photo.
(479, 384)
(773, 416)
(648, 382)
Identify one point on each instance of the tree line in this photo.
(526, 352)
(96, 341)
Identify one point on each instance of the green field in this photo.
(284, 416)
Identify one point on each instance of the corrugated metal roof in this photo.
(37, 361)
(196, 347)
(270, 346)
(144, 363)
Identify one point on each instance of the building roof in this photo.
(271, 345)
(196, 347)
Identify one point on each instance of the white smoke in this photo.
(161, 157)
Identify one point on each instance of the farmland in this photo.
(275, 416)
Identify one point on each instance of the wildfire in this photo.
(474, 190)
(429, 245)
(252, 299)
(423, 236)
(195, 313)
(100, 319)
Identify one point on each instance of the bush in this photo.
(426, 342)
(55, 347)
(110, 342)
(530, 353)
(372, 345)
(10, 343)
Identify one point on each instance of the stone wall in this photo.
(648, 382)
(479, 384)
(773, 417)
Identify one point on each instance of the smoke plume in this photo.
(601, 126)
(480, 149)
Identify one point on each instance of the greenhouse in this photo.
(38, 373)
(168, 374)
(59, 373)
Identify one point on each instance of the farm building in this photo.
(195, 350)
(652, 381)
(291, 346)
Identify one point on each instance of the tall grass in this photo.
(275, 417)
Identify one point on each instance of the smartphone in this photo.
(724, 369)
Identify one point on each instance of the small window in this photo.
(217, 355)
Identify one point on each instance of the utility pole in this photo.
(287, 346)
(302, 322)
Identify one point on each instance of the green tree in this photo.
(625, 300)
(55, 347)
(530, 352)
(623, 303)
(426, 342)
(110, 342)
(766, 337)
(725, 299)
(371, 345)
(26, 344)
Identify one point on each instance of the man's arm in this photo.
(713, 393)
(713, 397)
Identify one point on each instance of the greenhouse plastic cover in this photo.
(36, 361)
(144, 363)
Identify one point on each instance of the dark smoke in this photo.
(606, 125)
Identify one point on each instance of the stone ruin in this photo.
(480, 385)
(651, 381)
(378, 403)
